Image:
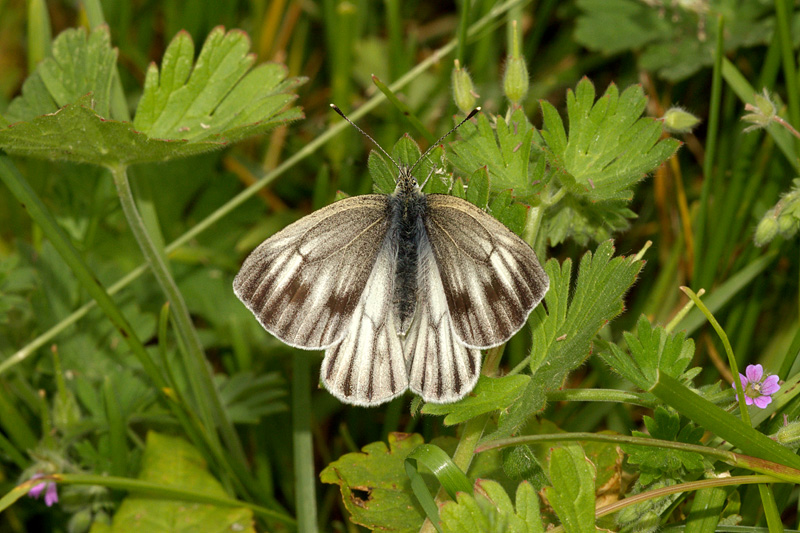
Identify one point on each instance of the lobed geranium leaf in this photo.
(610, 147)
(64, 108)
(504, 150)
(81, 63)
(654, 463)
(172, 461)
(375, 488)
(217, 97)
(652, 351)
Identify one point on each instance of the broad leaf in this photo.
(172, 461)
(375, 488)
(675, 39)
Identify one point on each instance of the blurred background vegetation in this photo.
(699, 210)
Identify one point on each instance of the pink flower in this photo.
(50, 491)
(758, 389)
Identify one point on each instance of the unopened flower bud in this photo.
(515, 80)
(787, 224)
(789, 435)
(677, 120)
(463, 90)
(767, 229)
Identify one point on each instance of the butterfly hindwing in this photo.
(490, 277)
(441, 369)
(368, 367)
(304, 283)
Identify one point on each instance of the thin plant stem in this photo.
(305, 494)
(206, 397)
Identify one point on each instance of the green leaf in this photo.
(666, 36)
(80, 64)
(609, 149)
(375, 488)
(219, 103)
(655, 463)
(562, 336)
(508, 211)
(478, 188)
(652, 351)
(172, 461)
(490, 394)
(505, 151)
(491, 510)
(572, 492)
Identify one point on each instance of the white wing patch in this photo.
(367, 368)
(304, 283)
(492, 279)
(441, 369)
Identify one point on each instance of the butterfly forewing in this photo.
(368, 366)
(441, 369)
(304, 283)
(490, 277)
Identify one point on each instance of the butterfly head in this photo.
(406, 182)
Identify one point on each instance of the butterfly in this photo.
(402, 291)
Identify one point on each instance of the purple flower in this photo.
(758, 389)
(48, 487)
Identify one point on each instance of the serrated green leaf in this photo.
(172, 461)
(76, 133)
(217, 105)
(610, 146)
(491, 510)
(527, 503)
(652, 351)
(375, 488)
(655, 463)
(505, 151)
(216, 96)
(478, 188)
(508, 211)
(572, 492)
(490, 394)
(609, 149)
(384, 176)
(80, 64)
(463, 516)
(562, 336)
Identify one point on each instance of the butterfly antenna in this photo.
(365, 134)
(443, 137)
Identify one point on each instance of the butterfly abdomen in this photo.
(408, 208)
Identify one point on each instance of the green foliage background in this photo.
(260, 446)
